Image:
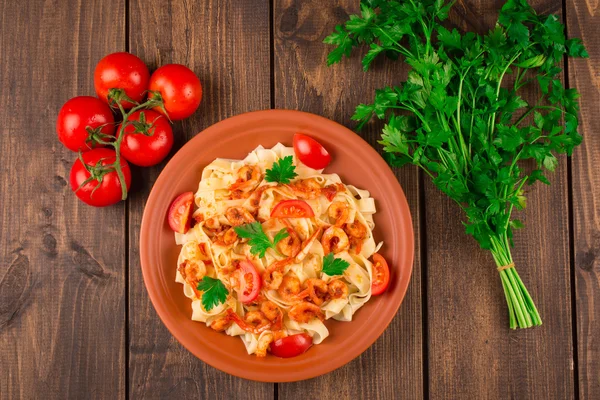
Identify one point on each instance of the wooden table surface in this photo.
(75, 318)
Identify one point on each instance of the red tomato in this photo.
(122, 71)
(179, 88)
(180, 212)
(250, 282)
(78, 114)
(142, 150)
(109, 192)
(291, 346)
(310, 152)
(292, 209)
(381, 275)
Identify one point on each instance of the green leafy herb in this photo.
(283, 171)
(457, 119)
(259, 241)
(334, 266)
(214, 292)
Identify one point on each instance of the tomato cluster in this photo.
(141, 135)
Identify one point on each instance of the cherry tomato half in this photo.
(310, 152)
(292, 209)
(78, 114)
(109, 191)
(291, 346)
(381, 275)
(143, 150)
(121, 71)
(180, 212)
(250, 282)
(179, 88)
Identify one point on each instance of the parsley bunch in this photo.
(459, 120)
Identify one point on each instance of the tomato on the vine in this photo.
(109, 191)
(179, 88)
(152, 145)
(80, 119)
(122, 71)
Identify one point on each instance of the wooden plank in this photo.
(62, 282)
(584, 22)
(227, 44)
(472, 352)
(392, 367)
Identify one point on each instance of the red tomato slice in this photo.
(292, 209)
(250, 282)
(180, 212)
(291, 346)
(310, 152)
(381, 275)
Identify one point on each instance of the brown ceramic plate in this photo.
(356, 162)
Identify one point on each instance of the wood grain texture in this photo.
(472, 352)
(392, 367)
(583, 21)
(227, 44)
(62, 276)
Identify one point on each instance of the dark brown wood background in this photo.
(75, 319)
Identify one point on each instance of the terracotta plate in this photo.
(356, 162)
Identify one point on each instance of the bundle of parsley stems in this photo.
(460, 116)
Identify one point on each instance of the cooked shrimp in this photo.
(254, 322)
(337, 289)
(248, 178)
(212, 224)
(273, 276)
(358, 233)
(330, 191)
(317, 289)
(238, 216)
(257, 319)
(290, 287)
(339, 212)
(263, 344)
(256, 196)
(334, 239)
(192, 272)
(306, 188)
(270, 310)
(290, 246)
(307, 244)
(220, 324)
(305, 312)
(227, 238)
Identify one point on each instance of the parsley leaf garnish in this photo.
(283, 171)
(334, 266)
(259, 241)
(214, 292)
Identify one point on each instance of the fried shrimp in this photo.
(290, 246)
(273, 275)
(254, 321)
(220, 324)
(192, 272)
(339, 212)
(305, 312)
(357, 233)
(248, 178)
(227, 238)
(334, 239)
(306, 188)
(256, 196)
(270, 310)
(337, 289)
(290, 287)
(238, 216)
(317, 290)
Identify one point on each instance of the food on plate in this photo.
(180, 212)
(85, 122)
(275, 249)
(94, 180)
(465, 114)
(148, 138)
(123, 71)
(178, 88)
(310, 152)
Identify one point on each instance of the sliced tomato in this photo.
(310, 152)
(250, 282)
(180, 212)
(381, 275)
(292, 209)
(291, 346)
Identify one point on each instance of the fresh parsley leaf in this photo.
(214, 292)
(283, 171)
(259, 241)
(334, 266)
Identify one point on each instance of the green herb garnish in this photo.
(334, 266)
(283, 171)
(214, 292)
(259, 241)
(456, 118)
